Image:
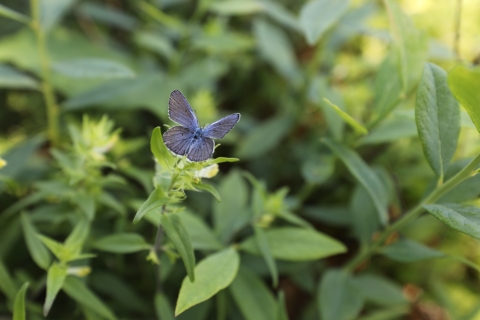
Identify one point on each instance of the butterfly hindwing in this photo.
(201, 149)
(220, 128)
(180, 111)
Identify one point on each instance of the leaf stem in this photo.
(468, 171)
(47, 90)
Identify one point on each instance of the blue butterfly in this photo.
(189, 139)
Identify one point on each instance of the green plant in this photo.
(328, 200)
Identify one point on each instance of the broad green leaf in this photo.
(465, 219)
(275, 47)
(92, 68)
(36, 248)
(388, 88)
(79, 292)
(318, 16)
(55, 278)
(338, 297)
(52, 11)
(201, 235)
(252, 296)
(11, 78)
(365, 176)
(391, 130)
(156, 199)
(178, 235)
(159, 150)
(364, 216)
(122, 243)
(19, 312)
(410, 251)
(379, 290)
(209, 188)
(163, 308)
(411, 46)
(264, 248)
(7, 286)
(14, 15)
(296, 244)
(213, 274)
(236, 7)
(359, 128)
(263, 138)
(438, 119)
(465, 86)
(232, 213)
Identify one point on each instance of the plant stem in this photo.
(47, 90)
(158, 250)
(436, 194)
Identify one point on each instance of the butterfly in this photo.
(189, 139)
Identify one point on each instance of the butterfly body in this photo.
(189, 139)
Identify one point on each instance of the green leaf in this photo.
(281, 15)
(365, 176)
(159, 150)
(122, 243)
(232, 213)
(14, 15)
(178, 235)
(55, 278)
(79, 292)
(359, 128)
(55, 247)
(213, 274)
(11, 78)
(86, 203)
(338, 297)
(155, 200)
(108, 15)
(379, 290)
(294, 219)
(364, 216)
(264, 137)
(465, 219)
(163, 308)
(7, 286)
(201, 235)
(252, 296)
(155, 42)
(318, 169)
(282, 313)
(19, 312)
(438, 119)
(275, 47)
(296, 244)
(391, 130)
(318, 16)
(36, 248)
(92, 68)
(52, 11)
(264, 248)
(209, 188)
(406, 250)
(465, 85)
(410, 45)
(76, 238)
(236, 7)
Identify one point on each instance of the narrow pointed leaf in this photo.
(264, 248)
(9, 13)
(209, 188)
(178, 235)
(359, 128)
(7, 286)
(19, 312)
(79, 292)
(410, 251)
(465, 86)
(91, 68)
(122, 243)
(163, 308)
(213, 274)
(55, 277)
(76, 238)
(438, 118)
(37, 249)
(365, 176)
(380, 290)
(155, 200)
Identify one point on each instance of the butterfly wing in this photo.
(221, 127)
(201, 149)
(178, 139)
(180, 111)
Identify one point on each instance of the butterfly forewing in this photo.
(178, 140)
(180, 111)
(201, 149)
(221, 127)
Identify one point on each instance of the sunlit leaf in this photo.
(359, 128)
(122, 243)
(236, 7)
(19, 312)
(55, 277)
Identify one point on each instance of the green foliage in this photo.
(320, 202)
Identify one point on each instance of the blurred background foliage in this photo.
(272, 61)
